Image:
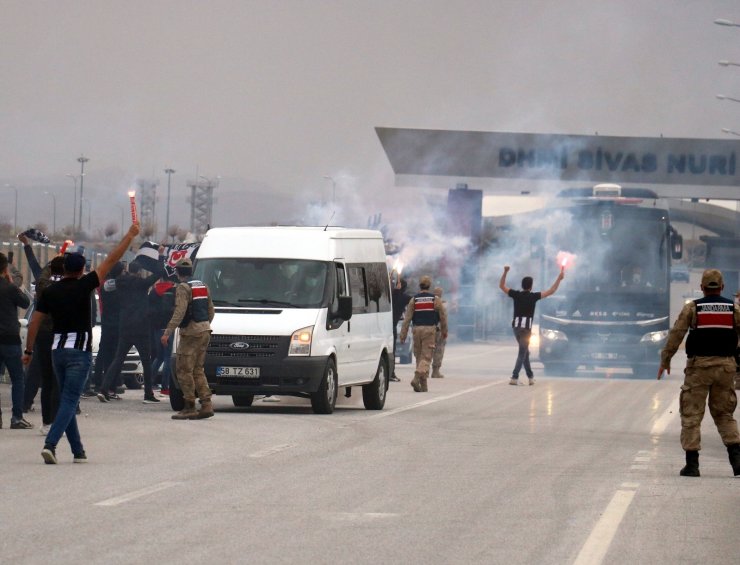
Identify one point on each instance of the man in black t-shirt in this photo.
(524, 304)
(68, 303)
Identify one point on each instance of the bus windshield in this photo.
(249, 282)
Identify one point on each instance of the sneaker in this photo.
(113, 396)
(21, 424)
(151, 400)
(44, 429)
(103, 397)
(513, 381)
(531, 381)
(80, 457)
(89, 394)
(165, 392)
(394, 379)
(49, 454)
(120, 389)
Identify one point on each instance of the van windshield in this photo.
(288, 283)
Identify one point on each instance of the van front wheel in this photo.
(373, 394)
(324, 399)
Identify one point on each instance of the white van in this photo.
(300, 311)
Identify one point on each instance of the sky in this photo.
(275, 96)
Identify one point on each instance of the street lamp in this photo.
(730, 132)
(169, 172)
(333, 188)
(728, 63)
(82, 160)
(723, 97)
(15, 214)
(54, 220)
(74, 204)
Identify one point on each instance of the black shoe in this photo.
(113, 396)
(21, 424)
(394, 379)
(691, 469)
(120, 389)
(103, 397)
(89, 394)
(151, 400)
(49, 454)
(80, 457)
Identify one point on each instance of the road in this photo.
(581, 470)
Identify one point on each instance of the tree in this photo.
(182, 234)
(148, 230)
(42, 227)
(110, 229)
(173, 230)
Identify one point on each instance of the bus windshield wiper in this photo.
(223, 303)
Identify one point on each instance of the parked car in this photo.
(680, 272)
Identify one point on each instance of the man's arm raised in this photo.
(104, 268)
(502, 281)
(550, 291)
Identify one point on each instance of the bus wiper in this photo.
(223, 303)
(265, 301)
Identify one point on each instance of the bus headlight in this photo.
(300, 341)
(553, 335)
(654, 337)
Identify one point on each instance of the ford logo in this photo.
(239, 345)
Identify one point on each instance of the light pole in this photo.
(82, 160)
(723, 97)
(730, 132)
(89, 213)
(15, 213)
(725, 63)
(723, 22)
(333, 188)
(169, 172)
(74, 204)
(54, 216)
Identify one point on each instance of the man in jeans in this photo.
(68, 303)
(524, 305)
(12, 298)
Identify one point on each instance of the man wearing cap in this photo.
(68, 303)
(425, 310)
(713, 325)
(193, 314)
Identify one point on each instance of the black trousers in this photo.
(142, 343)
(106, 352)
(40, 372)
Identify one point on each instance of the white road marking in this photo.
(271, 450)
(432, 400)
(137, 494)
(361, 516)
(630, 485)
(642, 459)
(597, 544)
(664, 419)
(638, 467)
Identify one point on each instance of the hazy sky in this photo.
(274, 95)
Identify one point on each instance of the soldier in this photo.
(439, 344)
(713, 323)
(426, 311)
(193, 314)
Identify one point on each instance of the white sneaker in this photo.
(531, 381)
(44, 429)
(514, 382)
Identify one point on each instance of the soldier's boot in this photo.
(206, 409)
(691, 469)
(415, 383)
(188, 411)
(423, 384)
(734, 453)
(436, 374)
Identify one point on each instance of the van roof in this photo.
(299, 242)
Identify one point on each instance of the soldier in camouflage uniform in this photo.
(426, 311)
(439, 344)
(713, 324)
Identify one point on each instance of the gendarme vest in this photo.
(714, 334)
(198, 307)
(424, 312)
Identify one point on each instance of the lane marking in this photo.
(666, 418)
(638, 467)
(115, 501)
(597, 544)
(385, 414)
(630, 485)
(271, 450)
(361, 516)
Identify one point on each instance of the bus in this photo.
(613, 308)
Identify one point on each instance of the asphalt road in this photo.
(581, 470)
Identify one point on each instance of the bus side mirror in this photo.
(676, 246)
(345, 307)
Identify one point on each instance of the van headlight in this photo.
(654, 337)
(300, 341)
(553, 335)
(534, 340)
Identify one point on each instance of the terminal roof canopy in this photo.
(532, 163)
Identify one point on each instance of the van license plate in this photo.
(246, 372)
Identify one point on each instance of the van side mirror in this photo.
(676, 246)
(345, 307)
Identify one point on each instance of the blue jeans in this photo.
(522, 336)
(11, 356)
(162, 356)
(71, 367)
